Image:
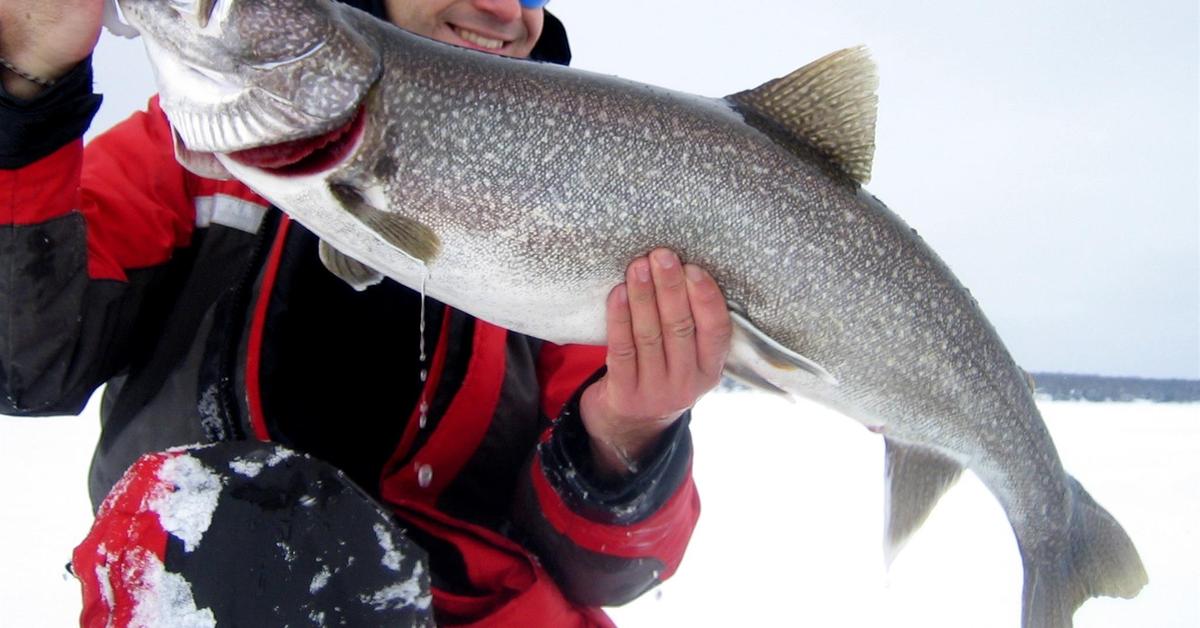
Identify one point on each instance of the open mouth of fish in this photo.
(308, 155)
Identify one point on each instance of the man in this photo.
(540, 484)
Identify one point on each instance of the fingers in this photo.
(714, 327)
(674, 315)
(644, 321)
(622, 351)
(668, 322)
(668, 331)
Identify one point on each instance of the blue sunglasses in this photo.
(533, 4)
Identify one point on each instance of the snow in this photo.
(320, 580)
(278, 455)
(289, 554)
(396, 596)
(392, 558)
(251, 467)
(169, 604)
(102, 577)
(248, 468)
(791, 530)
(792, 523)
(186, 510)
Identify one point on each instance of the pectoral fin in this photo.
(741, 373)
(357, 274)
(410, 236)
(756, 357)
(916, 478)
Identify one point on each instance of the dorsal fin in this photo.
(830, 104)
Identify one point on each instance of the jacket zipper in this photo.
(234, 326)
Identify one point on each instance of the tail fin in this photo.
(1101, 560)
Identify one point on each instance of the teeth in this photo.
(479, 40)
(244, 123)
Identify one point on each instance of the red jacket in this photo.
(209, 317)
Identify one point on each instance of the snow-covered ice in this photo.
(792, 523)
(791, 530)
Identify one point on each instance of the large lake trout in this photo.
(519, 191)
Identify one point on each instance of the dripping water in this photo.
(424, 405)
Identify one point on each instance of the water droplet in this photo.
(424, 408)
(424, 476)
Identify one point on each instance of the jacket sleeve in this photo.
(84, 239)
(604, 543)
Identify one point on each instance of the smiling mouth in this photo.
(471, 37)
(306, 155)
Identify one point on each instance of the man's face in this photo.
(496, 26)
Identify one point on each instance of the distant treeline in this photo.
(1063, 387)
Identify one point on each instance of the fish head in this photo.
(280, 95)
(272, 81)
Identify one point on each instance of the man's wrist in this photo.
(568, 462)
(619, 445)
(33, 128)
(18, 86)
(611, 460)
(24, 77)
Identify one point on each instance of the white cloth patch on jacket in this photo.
(229, 211)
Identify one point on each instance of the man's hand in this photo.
(668, 334)
(46, 38)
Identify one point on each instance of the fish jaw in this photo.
(227, 84)
(309, 155)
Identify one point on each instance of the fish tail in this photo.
(1100, 561)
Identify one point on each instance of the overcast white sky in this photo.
(1049, 151)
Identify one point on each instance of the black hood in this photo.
(552, 47)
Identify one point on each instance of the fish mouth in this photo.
(308, 155)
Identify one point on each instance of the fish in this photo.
(518, 192)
